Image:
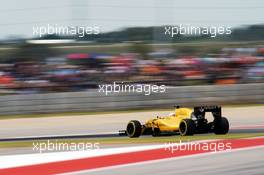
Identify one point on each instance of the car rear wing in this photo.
(201, 110)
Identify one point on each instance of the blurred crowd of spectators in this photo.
(83, 71)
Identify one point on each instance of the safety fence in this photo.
(95, 101)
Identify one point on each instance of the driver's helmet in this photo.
(172, 114)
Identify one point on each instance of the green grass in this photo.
(63, 114)
(126, 140)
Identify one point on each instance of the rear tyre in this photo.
(221, 127)
(133, 129)
(187, 127)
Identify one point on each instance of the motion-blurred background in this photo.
(131, 47)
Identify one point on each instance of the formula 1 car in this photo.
(185, 121)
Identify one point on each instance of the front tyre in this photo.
(133, 129)
(221, 127)
(187, 127)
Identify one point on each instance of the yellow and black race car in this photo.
(185, 121)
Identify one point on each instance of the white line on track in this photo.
(9, 161)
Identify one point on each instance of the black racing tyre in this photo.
(187, 127)
(221, 127)
(133, 129)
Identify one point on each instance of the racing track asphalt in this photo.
(239, 162)
(105, 123)
(109, 135)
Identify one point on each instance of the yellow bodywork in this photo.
(170, 123)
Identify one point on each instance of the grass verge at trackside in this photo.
(125, 140)
(64, 114)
